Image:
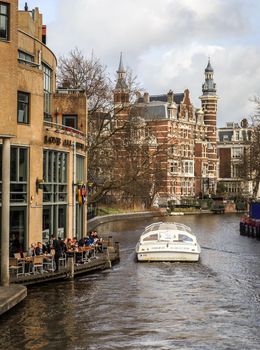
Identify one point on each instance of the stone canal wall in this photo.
(99, 220)
(10, 296)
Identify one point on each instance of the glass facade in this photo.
(18, 197)
(55, 193)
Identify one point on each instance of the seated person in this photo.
(97, 241)
(89, 241)
(81, 242)
(31, 251)
(38, 249)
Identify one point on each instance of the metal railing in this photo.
(67, 130)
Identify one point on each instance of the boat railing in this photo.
(172, 225)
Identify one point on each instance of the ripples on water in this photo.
(213, 304)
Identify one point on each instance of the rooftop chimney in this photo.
(146, 97)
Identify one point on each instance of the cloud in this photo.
(167, 43)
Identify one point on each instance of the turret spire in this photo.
(209, 87)
(121, 75)
(209, 68)
(121, 65)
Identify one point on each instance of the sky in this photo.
(167, 43)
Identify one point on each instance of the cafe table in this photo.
(81, 253)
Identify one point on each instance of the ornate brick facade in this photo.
(233, 141)
(184, 137)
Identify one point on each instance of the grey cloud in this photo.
(167, 42)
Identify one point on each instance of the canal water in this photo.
(213, 304)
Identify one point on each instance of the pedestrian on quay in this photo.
(57, 246)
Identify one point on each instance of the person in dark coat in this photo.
(57, 246)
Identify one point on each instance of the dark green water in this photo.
(213, 304)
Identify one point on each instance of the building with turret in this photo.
(182, 137)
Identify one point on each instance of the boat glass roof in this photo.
(173, 226)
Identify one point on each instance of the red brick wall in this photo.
(225, 162)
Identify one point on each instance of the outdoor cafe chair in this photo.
(37, 264)
(63, 260)
(49, 263)
(16, 267)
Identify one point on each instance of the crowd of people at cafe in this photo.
(59, 247)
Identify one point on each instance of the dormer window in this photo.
(4, 21)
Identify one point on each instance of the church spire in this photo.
(121, 92)
(209, 87)
(121, 65)
(121, 75)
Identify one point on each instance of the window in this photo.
(47, 80)
(23, 100)
(19, 175)
(174, 149)
(152, 237)
(235, 171)
(55, 177)
(4, 21)
(25, 58)
(188, 167)
(237, 152)
(174, 167)
(70, 121)
(204, 169)
(225, 138)
(237, 136)
(184, 238)
(80, 172)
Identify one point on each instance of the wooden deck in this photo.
(101, 262)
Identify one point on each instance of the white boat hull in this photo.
(168, 256)
(167, 253)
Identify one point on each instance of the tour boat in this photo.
(167, 241)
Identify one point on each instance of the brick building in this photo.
(233, 141)
(184, 136)
(45, 130)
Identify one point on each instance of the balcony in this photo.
(65, 130)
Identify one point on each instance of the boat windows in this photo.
(153, 237)
(168, 236)
(184, 238)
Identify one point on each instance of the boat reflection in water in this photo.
(167, 241)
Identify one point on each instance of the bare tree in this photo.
(249, 169)
(77, 71)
